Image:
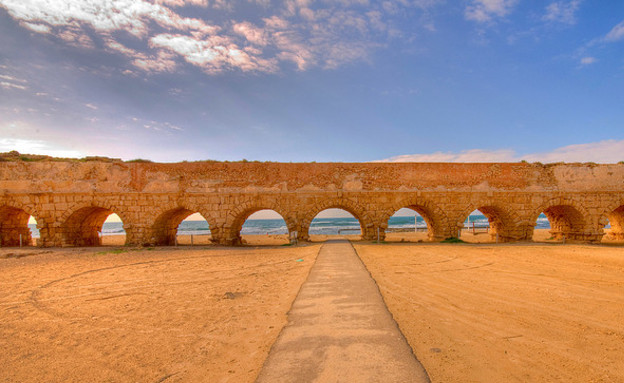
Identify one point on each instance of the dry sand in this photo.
(539, 235)
(471, 312)
(506, 313)
(136, 315)
(204, 240)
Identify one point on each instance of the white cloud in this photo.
(182, 3)
(37, 147)
(562, 11)
(132, 16)
(10, 85)
(485, 10)
(327, 34)
(252, 33)
(473, 155)
(161, 62)
(214, 53)
(616, 34)
(588, 60)
(608, 151)
(11, 78)
(39, 28)
(165, 127)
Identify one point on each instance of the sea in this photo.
(325, 226)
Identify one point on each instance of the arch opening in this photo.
(17, 227)
(409, 224)
(335, 222)
(559, 222)
(614, 229)
(93, 226)
(181, 226)
(487, 224)
(263, 227)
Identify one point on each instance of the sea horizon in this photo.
(319, 226)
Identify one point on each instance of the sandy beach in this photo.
(137, 315)
(539, 236)
(506, 313)
(205, 240)
(471, 312)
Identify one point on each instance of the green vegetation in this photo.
(99, 159)
(121, 250)
(139, 161)
(452, 240)
(113, 251)
(15, 156)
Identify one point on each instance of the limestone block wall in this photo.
(71, 200)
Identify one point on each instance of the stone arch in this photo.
(82, 222)
(433, 215)
(567, 218)
(14, 225)
(505, 224)
(614, 215)
(165, 226)
(237, 217)
(366, 222)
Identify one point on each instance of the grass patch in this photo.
(113, 251)
(452, 240)
(139, 161)
(121, 250)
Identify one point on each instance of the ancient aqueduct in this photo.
(71, 200)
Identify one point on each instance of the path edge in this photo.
(396, 324)
(281, 333)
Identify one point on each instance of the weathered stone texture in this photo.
(71, 200)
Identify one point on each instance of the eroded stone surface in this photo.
(69, 199)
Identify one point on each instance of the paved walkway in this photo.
(340, 330)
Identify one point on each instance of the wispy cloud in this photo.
(608, 151)
(325, 34)
(473, 155)
(562, 11)
(584, 53)
(39, 28)
(615, 34)
(588, 60)
(10, 85)
(486, 10)
(11, 82)
(157, 126)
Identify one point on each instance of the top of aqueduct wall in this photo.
(261, 177)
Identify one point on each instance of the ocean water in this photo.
(482, 221)
(327, 226)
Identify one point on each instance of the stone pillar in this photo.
(138, 235)
(46, 235)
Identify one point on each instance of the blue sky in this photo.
(302, 80)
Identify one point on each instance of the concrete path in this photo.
(340, 330)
